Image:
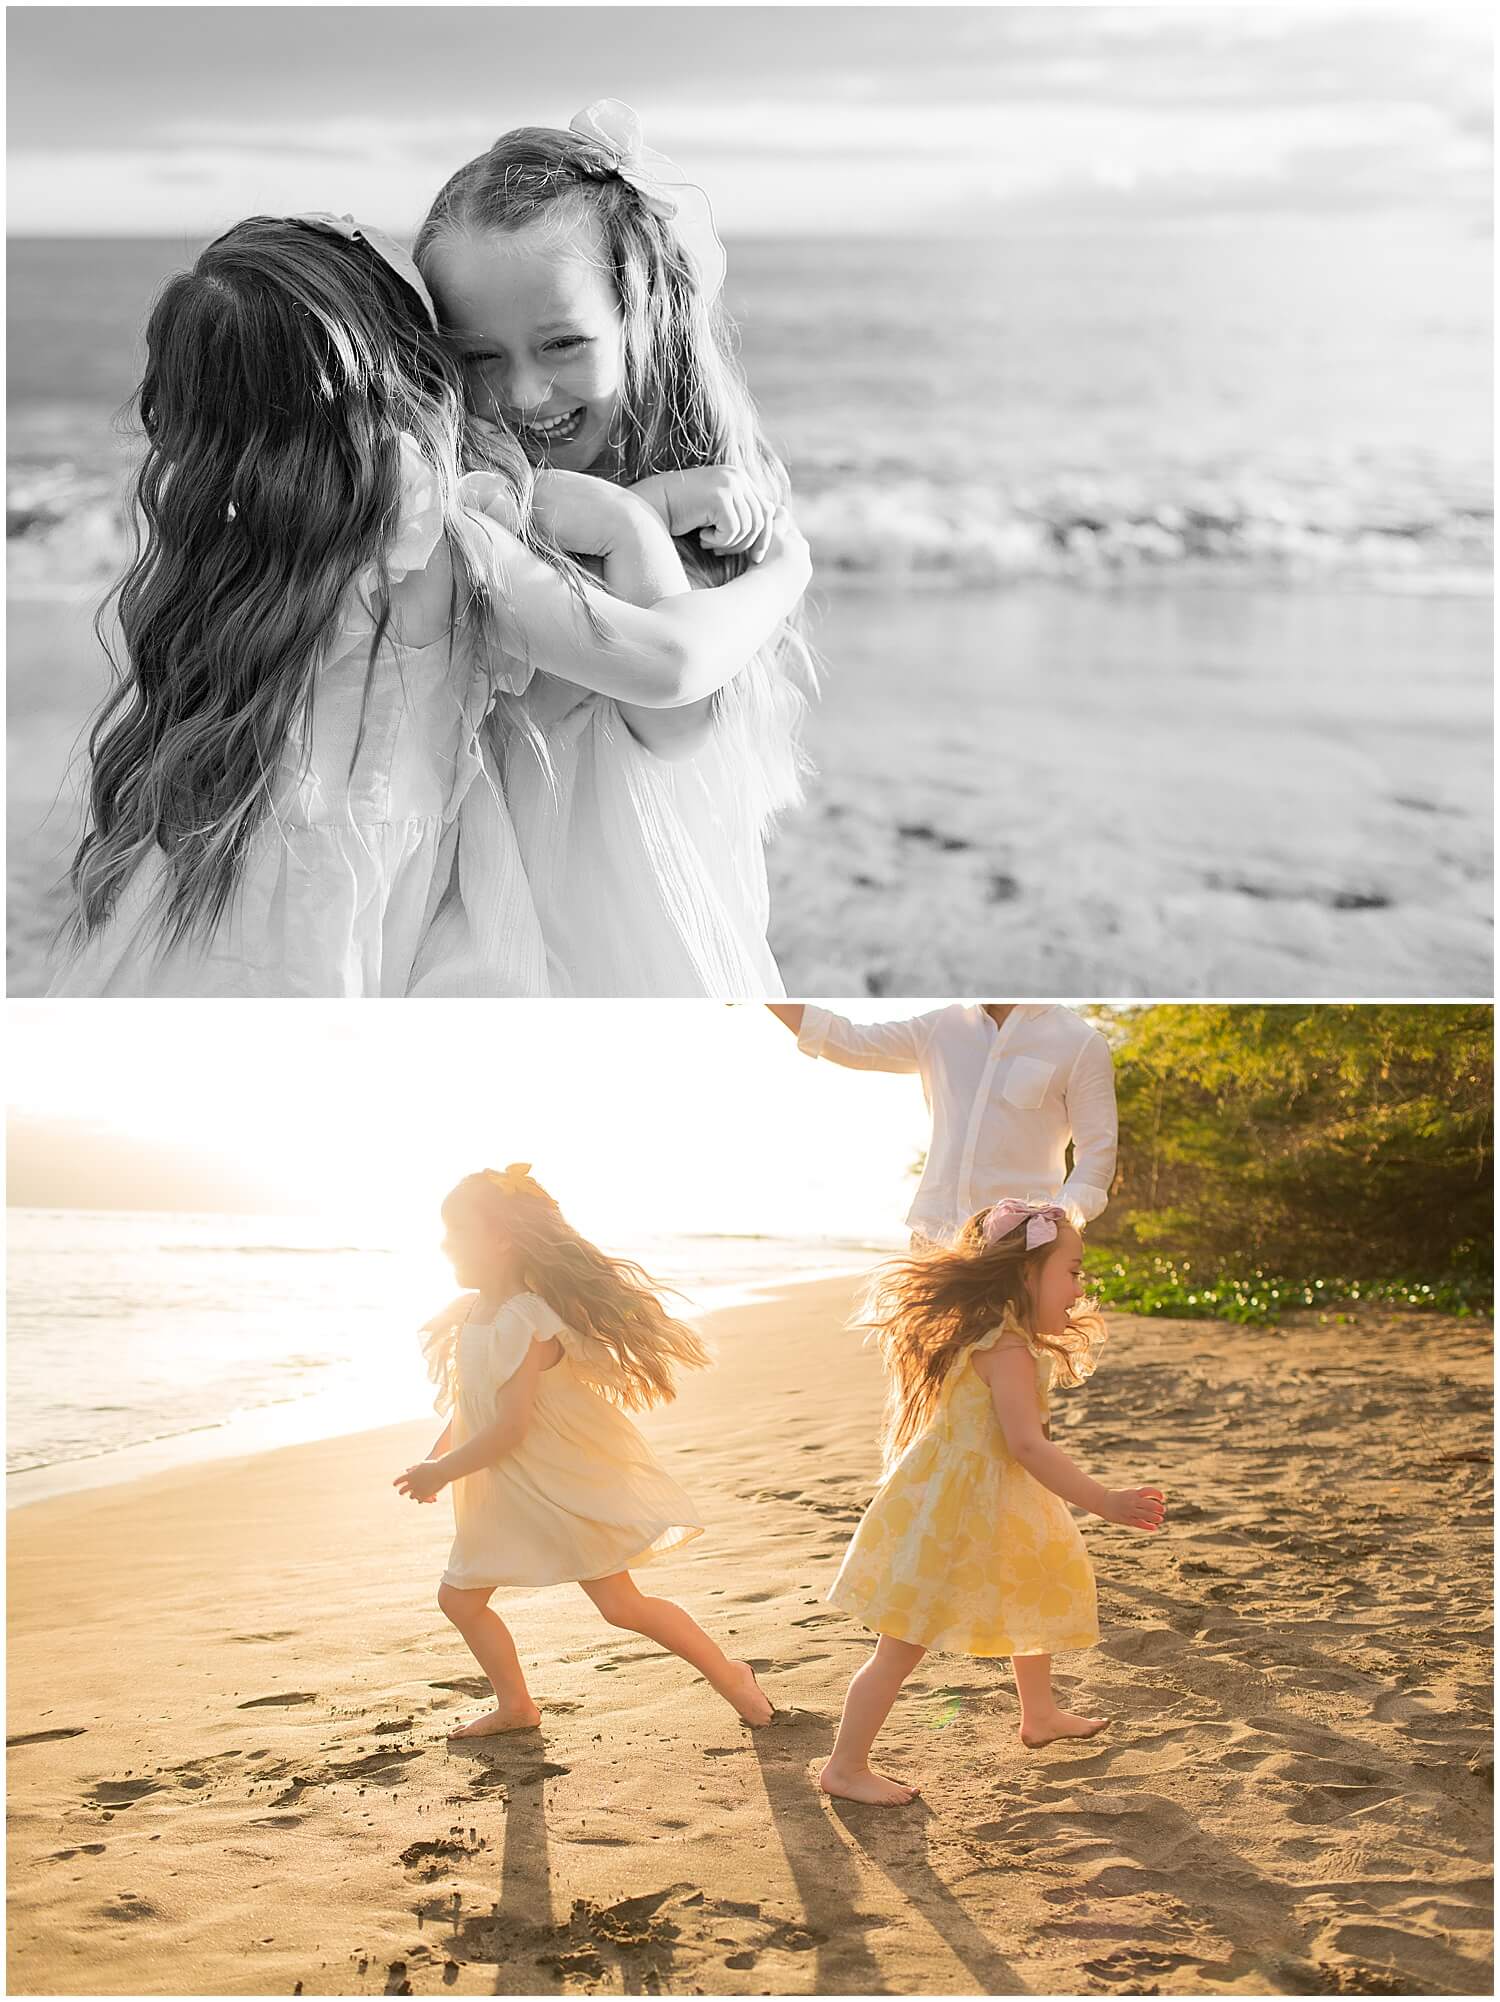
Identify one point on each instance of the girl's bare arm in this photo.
(506, 1430)
(1009, 1371)
(669, 654)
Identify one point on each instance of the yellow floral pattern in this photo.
(962, 1549)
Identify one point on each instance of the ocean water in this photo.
(195, 1335)
(1290, 397)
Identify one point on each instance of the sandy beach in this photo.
(229, 1690)
(1184, 790)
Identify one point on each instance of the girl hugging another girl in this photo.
(577, 277)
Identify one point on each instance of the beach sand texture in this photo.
(229, 1688)
(1180, 791)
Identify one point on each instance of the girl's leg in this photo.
(490, 1643)
(866, 1707)
(1041, 1720)
(623, 1605)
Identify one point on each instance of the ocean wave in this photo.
(1087, 531)
(67, 529)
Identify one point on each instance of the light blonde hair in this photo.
(685, 401)
(630, 1344)
(925, 1313)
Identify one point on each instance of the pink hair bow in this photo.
(1041, 1221)
(662, 186)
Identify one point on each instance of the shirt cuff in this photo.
(812, 1037)
(1088, 1200)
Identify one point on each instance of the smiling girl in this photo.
(580, 298)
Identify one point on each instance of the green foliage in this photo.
(1177, 1288)
(1327, 1139)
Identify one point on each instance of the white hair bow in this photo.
(662, 186)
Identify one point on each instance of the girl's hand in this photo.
(1135, 1508)
(730, 513)
(421, 1482)
(787, 544)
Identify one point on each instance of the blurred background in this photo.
(1133, 369)
(224, 1221)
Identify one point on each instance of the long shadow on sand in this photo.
(507, 1776)
(896, 1842)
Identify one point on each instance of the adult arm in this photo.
(1090, 1100)
(863, 1046)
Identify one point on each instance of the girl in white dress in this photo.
(290, 792)
(577, 278)
(552, 1484)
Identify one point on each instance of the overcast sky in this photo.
(809, 119)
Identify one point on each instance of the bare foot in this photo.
(875, 1788)
(1062, 1724)
(741, 1689)
(525, 1717)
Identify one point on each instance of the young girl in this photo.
(577, 279)
(318, 618)
(552, 1484)
(969, 1545)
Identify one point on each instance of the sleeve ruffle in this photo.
(439, 1339)
(419, 529)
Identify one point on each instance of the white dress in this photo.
(398, 876)
(582, 1496)
(648, 874)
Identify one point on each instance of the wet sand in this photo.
(1180, 791)
(229, 1690)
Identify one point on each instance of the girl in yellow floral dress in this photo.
(969, 1544)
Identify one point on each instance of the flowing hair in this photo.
(629, 1345)
(685, 401)
(280, 373)
(926, 1311)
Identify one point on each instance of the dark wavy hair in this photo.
(927, 1311)
(281, 371)
(685, 401)
(630, 1345)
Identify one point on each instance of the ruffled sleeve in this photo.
(1069, 1361)
(519, 1323)
(593, 1360)
(419, 529)
(439, 1339)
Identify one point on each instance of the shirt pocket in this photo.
(1026, 1083)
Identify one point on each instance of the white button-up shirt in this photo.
(1004, 1104)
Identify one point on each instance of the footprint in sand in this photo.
(120, 1794)
(128, 1906)
(285, 1702)
(46, 1737)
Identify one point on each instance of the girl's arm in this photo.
(1010, 1373)
(505, 1431)
(666, 655)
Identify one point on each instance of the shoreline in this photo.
(250, 1434)
(230, 1689)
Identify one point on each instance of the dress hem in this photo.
(672, 1537)
(948, 1642)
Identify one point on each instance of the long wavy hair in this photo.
(685, 402)
(281, 371)
(927, 1311)
(631, 1345)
